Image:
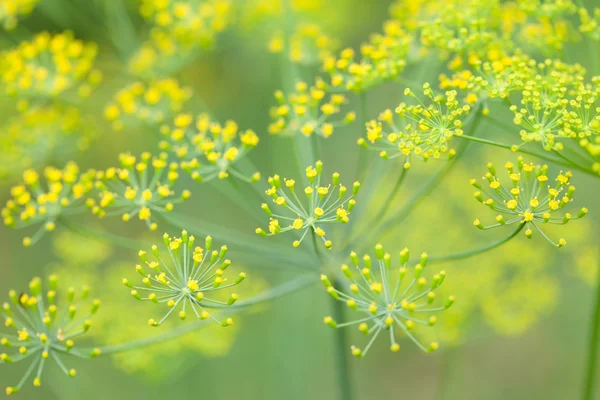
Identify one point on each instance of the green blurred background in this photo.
(519, 327)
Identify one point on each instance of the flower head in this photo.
(208, 149)
(422, 130)
(185, 279)
(391, 299)
(46, 325)
(383, 58)
(529, 199)
(11, 11)
(149, 103)
(309, 44)
(48, 66)
(322, 206)
(308, 110)
(138, 188)
(34, 203)
(191, 21)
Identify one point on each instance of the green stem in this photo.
(104, 237)
(276, 292)
(391, 196)
(474, 252)
(592, 348)
(341, 352)
(362, 121)
(558, 161)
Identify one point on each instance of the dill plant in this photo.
(496, 63)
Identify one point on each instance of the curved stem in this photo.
(276, 292)
(104, 237)
(592, 348)
(391, 195)
(474, 252)
(341, 352)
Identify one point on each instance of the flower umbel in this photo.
(208, 149)
(185, 279)
(133, 190)
(391, 298)
(307, 111)
(322, 206)
(32, 204)
(46, 326)
(529, 200)
(425, 130)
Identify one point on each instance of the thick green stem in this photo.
(276, 292)
(589, 383)
(474, 252)
(341, 351)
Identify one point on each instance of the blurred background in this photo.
(518, 329)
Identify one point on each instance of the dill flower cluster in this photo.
(529, 200)
(206, 148)
(49, 66)
(150, 103)
(189, 21)
(138, 188)
(308, 45)
(12, 10)
(391, 299)
(322, 205)
(36, 203)
(54, 132)
(184, 280)
(425, 129)
(382, 58)
(160, 56)
(46, 325)
(308, 110)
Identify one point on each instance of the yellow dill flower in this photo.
(185, 279)
(12, 10)
(392, 299)
(207, 149)
(322, 206)
(49, 66)
(35, 202)
(529, 200)
(422, 130)
(382, 58)
(160, 56)
(189, 21)
(138, 188)
(41, 134)
(47, 325)
(308, 44)
(308, 111)
(150, 103)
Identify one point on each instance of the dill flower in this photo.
(424, 130)
(389, 298)
(147, 103)
(160, 56)
(34, 203)
(529, 200)
(322, 205)
(309, 44)
(49, 66)
(383, 58)
(46, 325)
(185, 279)
(138, 188)
(54, 132)
(308, 111)
(589, 25)
(12, 10)
(189, 21)
(206, 148)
